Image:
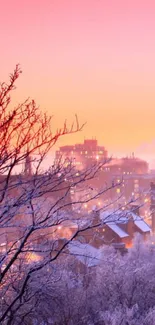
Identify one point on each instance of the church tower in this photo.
(28, 166)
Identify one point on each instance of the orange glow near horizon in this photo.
(93, 58)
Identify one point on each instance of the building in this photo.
(85, 253)
(152, 205)
(84, 154)
(124, 229)
(45, 190)
(117, 227)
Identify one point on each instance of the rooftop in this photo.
(85, 253)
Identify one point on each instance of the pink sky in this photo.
(95, 58)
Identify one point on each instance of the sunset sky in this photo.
(95, 58)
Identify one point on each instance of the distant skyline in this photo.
(144, 151)
(93, 58)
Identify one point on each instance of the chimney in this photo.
(95, 216)
(135, 209)
(130, 227)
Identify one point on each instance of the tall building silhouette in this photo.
(83, 154)
(28, 166)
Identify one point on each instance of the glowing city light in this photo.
(33, 257)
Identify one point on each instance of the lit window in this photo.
(118, 190)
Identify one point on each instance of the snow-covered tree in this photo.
(120, 291)
(34, 204)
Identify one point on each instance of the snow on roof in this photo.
(121, 233)
(68, 223)
(118, 216)
(86, 253)
(142, 225)
(122, 217)
(135, 216)
(84, 223)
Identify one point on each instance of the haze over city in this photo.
(92, 58)
(77, 162)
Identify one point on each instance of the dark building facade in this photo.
(152, 205)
